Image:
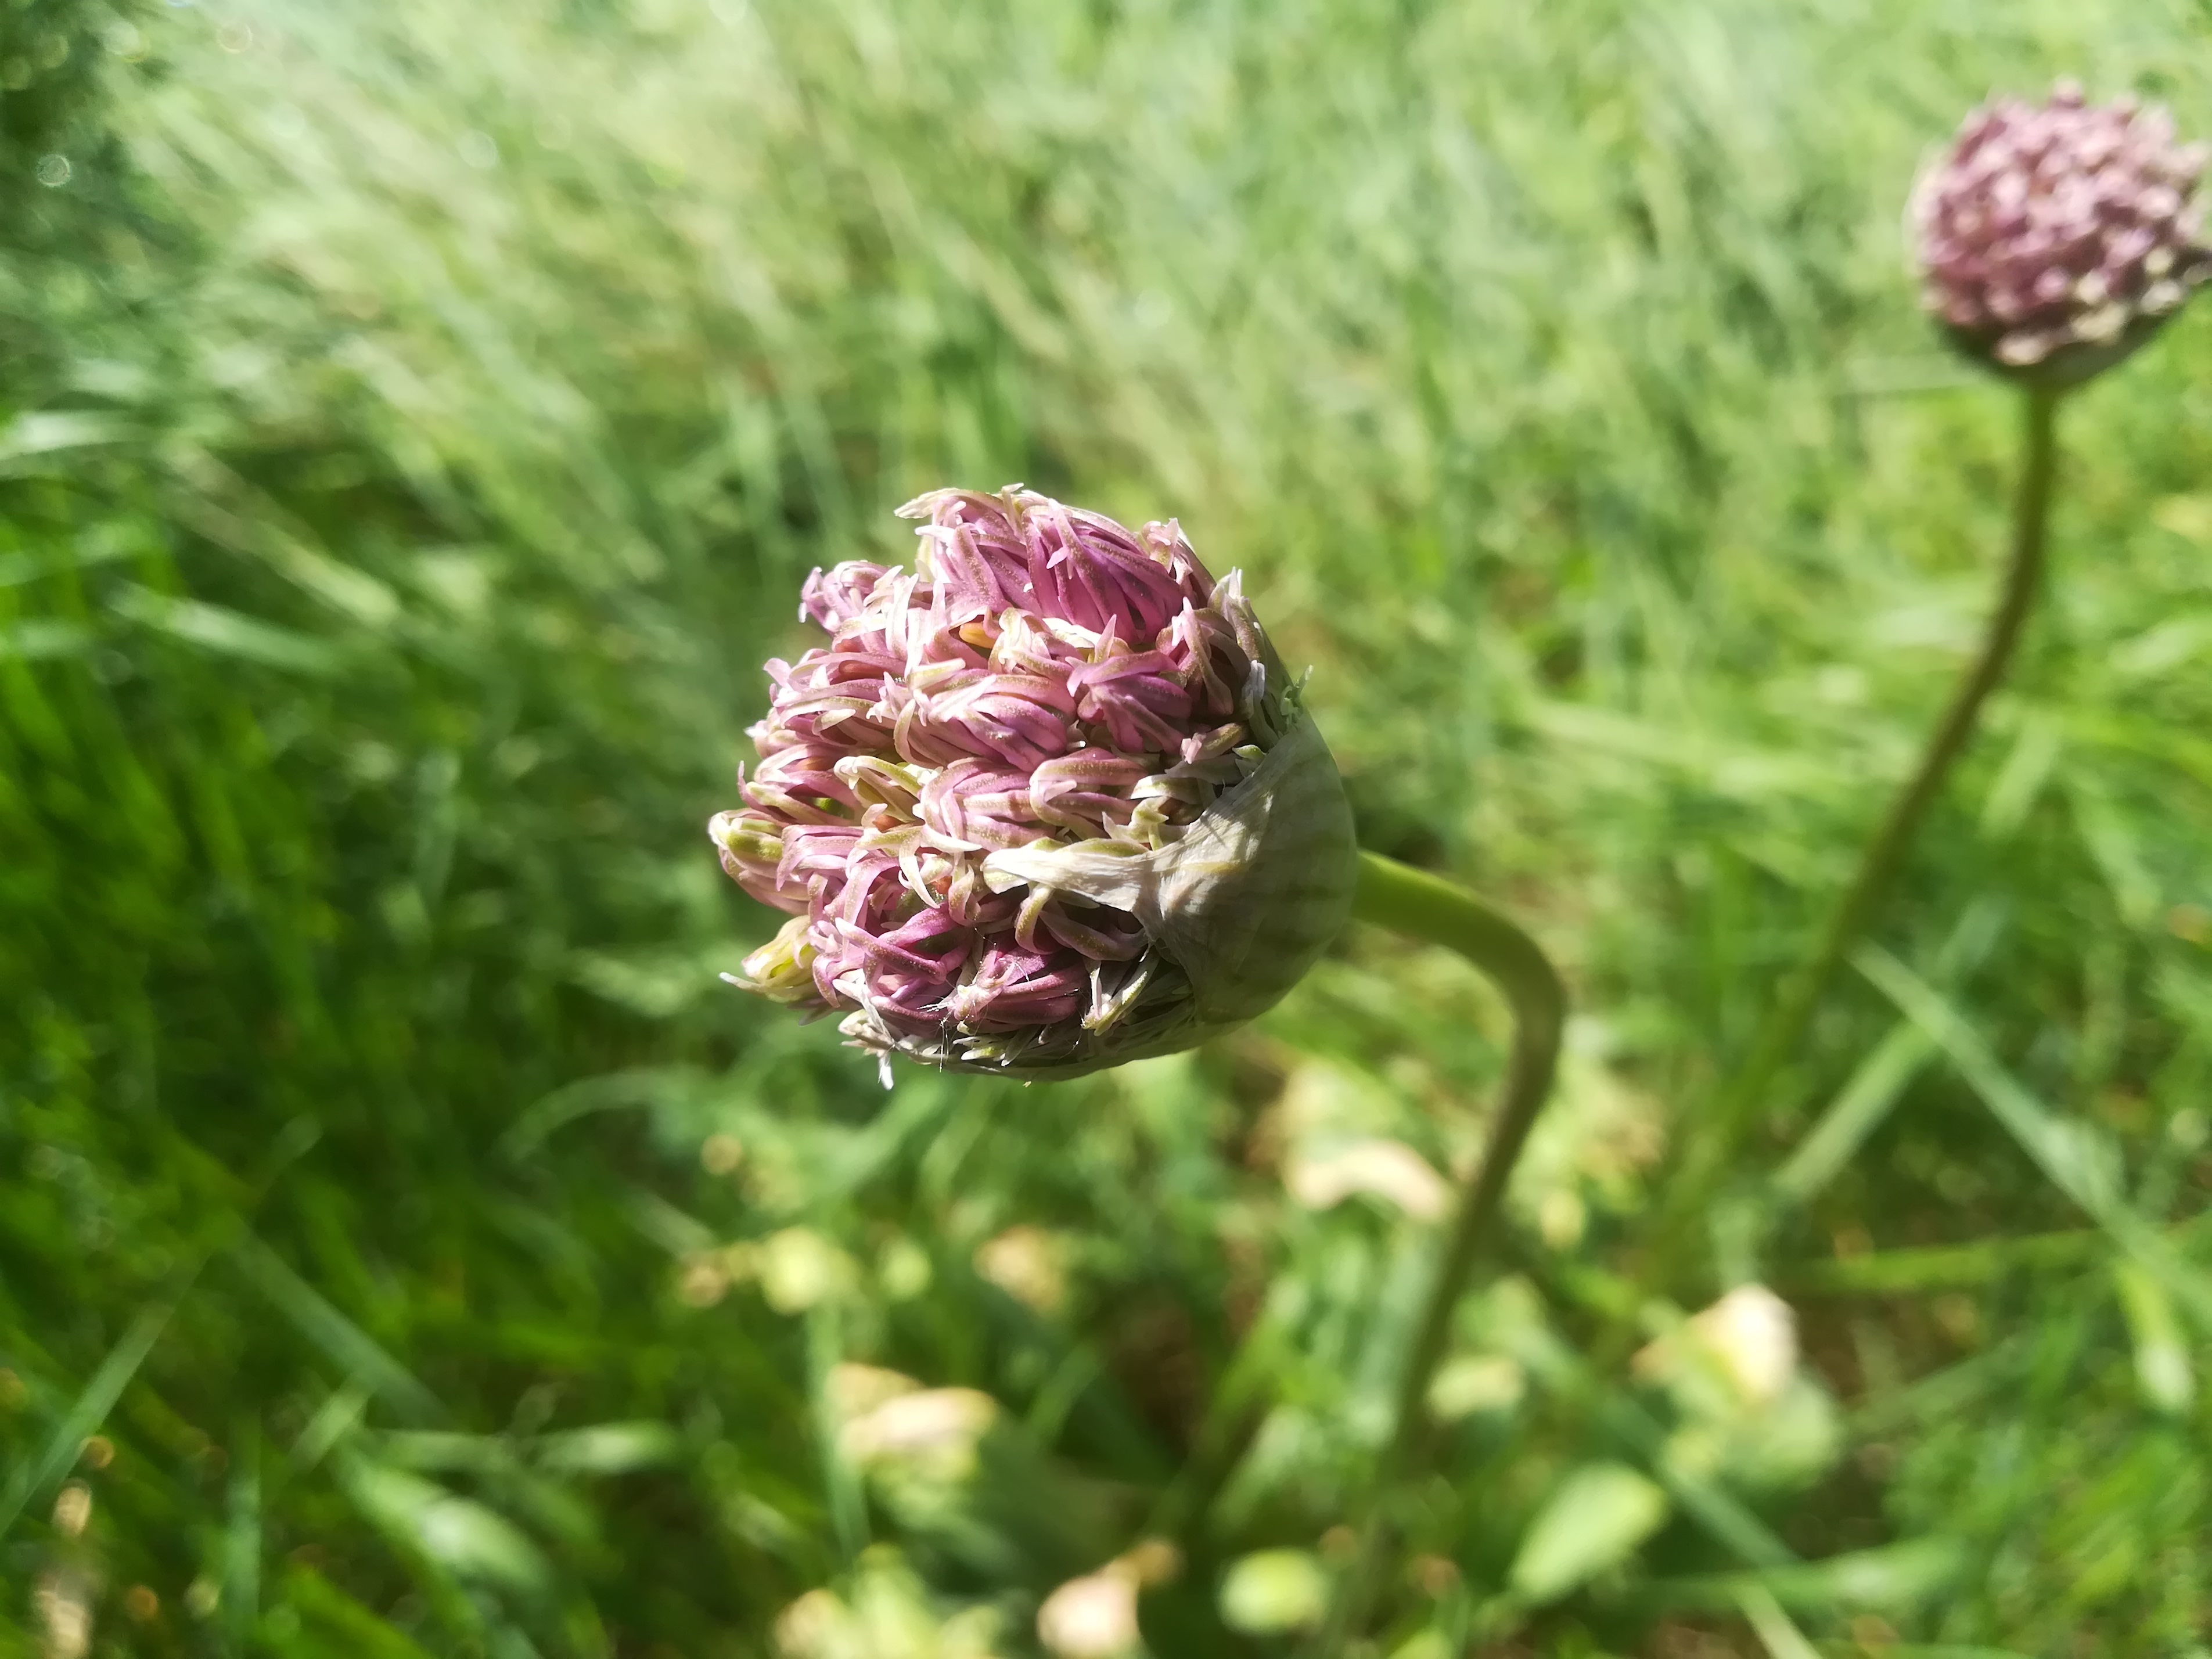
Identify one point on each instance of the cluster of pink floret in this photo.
(1043, 674)
(2059, 225)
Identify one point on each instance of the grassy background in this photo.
(419, 420)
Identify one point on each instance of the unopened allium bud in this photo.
(2054, 239)
(1045, 803)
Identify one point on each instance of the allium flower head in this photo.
(1044, 803)
(2054, 239)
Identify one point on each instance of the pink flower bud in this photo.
(1045, 803)
(2054, 240)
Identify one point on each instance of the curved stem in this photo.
(1393, 895)
(1715, 1138)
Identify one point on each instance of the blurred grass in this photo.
(418, 419)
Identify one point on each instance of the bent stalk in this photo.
(1395, 896)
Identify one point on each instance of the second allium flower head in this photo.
(1044, 803)
(2056, 238)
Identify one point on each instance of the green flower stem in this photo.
(1715, 1138)
(1393, 895)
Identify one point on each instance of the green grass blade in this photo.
(34, 1479)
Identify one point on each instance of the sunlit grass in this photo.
(413, 455)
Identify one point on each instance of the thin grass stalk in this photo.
(1714, 1138)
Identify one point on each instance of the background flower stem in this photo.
(1713, 1140)
(1412, 901)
